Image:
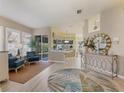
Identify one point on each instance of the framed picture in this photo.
(94, 24)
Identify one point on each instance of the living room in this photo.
(74, 45)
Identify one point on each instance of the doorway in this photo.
(42, 47)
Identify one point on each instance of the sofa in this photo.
(32, 57)
(14, 63)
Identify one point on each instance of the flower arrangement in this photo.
(89, 43)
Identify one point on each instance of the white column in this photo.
(1, 38)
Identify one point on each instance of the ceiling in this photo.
(42, 13)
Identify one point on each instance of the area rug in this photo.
(25, 74)
(76, 80)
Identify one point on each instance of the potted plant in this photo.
(33, 44)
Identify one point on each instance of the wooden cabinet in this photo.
(4, 66)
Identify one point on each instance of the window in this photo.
(13, 40)
(17, 40)
(26, 38)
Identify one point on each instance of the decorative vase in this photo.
(85, 50)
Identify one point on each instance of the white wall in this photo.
(112, 23)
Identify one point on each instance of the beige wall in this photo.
(112, 23)
(76, 28)
(42, 31)
(12, 24)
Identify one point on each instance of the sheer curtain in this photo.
(13, 39)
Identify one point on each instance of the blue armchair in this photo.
(32, 57)
(14, 63)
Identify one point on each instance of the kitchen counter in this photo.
(56, 56)
(59, 56)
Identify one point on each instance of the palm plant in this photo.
(33, 44)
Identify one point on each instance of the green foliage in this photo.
(33, 44)
(44, 47)
(37, 47)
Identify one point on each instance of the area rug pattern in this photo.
(25, 74)
(76, 80)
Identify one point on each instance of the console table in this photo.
(100, 63)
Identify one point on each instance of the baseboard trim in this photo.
(56, 61)
(108, 73)
(120, 76)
